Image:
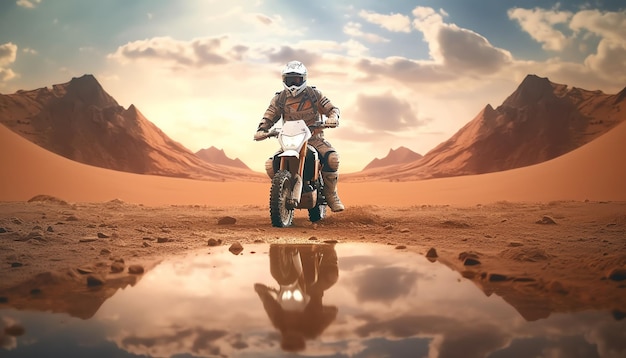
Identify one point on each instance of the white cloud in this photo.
(29, 51)
(393, 22)
(457, 48)
(29, 4)
(609, 59)
(354, 29)
(8, 54)
(195, 53)
(539, 24)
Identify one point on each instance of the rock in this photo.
(17, 221)
(226, 220)
(161, 240)
(214, 242)
(145, 244)
(50, 229)
(312, 238)
(496, 277)
(546, 220)
(87, 240)
(71, 218)
(388, 227)
(16, 264)
(330, 241)
(469, 258)
(557, 287)
(95, 280)
(617, 274)
(432, 253)
(105, 252)
(103, 236)
(405, 230)
(135, 269)
(455, 224)
(117, 267)
(471, 262)
(47, 199)
(400, 247)
(235, 248)
(33, 235)
(2, 230)
(84, 270)
(36, 291)
(515, 244)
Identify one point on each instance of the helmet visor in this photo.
(293, 80)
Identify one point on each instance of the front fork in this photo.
(296, 191)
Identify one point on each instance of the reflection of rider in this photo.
(303, 272)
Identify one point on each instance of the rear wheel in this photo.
(279, 193)
(318, 212)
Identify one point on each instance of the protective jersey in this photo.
(306, 106)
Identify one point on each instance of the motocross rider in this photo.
(298, 101)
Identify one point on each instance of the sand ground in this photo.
(546, 257)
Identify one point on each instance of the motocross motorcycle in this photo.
(297, 181)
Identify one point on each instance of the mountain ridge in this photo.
(539, 121)
(81, 121)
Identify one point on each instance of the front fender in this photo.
(289, 153)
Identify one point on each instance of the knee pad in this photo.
(269, 167)
(331, 162)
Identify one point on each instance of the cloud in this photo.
(539, 24)
(385, 113)
(196, 53)
(29, 4)
(458, 48)
(610, 57)
(8, 54)
(393, 22)
(354, 29)
(608, 61)
(466, 50)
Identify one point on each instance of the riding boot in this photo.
(330, 191)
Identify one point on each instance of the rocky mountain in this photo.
(217, 156)
(539, 121)
(82, 122)
(402, 155)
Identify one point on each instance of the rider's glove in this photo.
(332, 121)
(260, 135)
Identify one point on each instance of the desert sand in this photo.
(555, 232)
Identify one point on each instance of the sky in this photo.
(403, 73)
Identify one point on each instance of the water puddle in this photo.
(323, 300)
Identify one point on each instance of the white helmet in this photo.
(294, 77)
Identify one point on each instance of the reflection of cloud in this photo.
(453, 338)
(7, 341)
(384, 284)
(198, 340)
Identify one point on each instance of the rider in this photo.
(299, 101)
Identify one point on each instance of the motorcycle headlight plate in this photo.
(292, 142)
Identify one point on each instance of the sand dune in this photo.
(596, 171)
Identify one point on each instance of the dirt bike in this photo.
(297, 182)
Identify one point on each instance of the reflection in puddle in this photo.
(373, 301)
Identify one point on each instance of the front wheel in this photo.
(281, 189)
